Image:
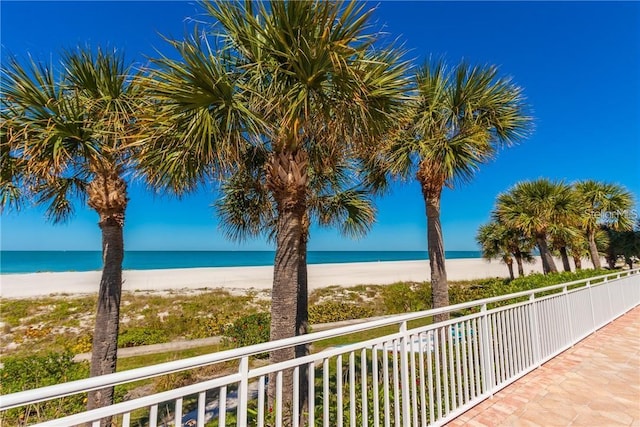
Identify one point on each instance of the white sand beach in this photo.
(244, 278)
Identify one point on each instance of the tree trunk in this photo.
(287, 181)
(302, 321)
(284, 299)
(104, 351)
(593, 250)
(518, 256)
(565, 258)
(577, 261)
(435, 241)
(548, 265)
(510, 267)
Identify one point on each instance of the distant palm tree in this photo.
(498, 241)
(460, 119)
(492, 238)
(602, 203)
(292, 79)
(537, 208)
(579, 249)
(71, 136)
(561, 235)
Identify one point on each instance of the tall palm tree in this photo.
(536, 208)
(335, 199)
(461, 118)
(70, 133)
(602, 203)
(288, 78)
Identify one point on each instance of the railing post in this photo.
(608, 285)
(535, 330)
(404, 376)
(486, 353)
(593, 311)
(243, 391)
(565, 296)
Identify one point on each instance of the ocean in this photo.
(58, 261)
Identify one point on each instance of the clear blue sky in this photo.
(578, 62)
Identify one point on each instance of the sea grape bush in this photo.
(248, 330)
(25, 373)
(336, 311)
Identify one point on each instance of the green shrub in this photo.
(486, 288)
(134, 337)
(404, 297)
(333, 311)
(248, 330)
(34, 371)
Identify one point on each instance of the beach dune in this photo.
(320, 275)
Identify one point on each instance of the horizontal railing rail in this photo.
(425, 375)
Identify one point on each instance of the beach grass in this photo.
(36, 325)
(39, 327)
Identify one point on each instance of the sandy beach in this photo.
(244, 278)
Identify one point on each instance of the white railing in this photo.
(423, 374)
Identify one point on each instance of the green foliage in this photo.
(336, 311)
(248, 330)
(460, 292)
(403, 297)
(17, 310)
(25, 373)
(133, 337)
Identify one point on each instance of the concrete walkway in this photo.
(595, 383)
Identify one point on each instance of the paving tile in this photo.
(594, 383)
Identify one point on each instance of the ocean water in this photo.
(39, 261)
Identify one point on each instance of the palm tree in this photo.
(12, 172)
(335, 199)
(602, 203)
(71, 136)
(461, 117)
(492, 238)
(498, 241)
(289, 80)
(561, 235)
(579, 249)
(537, 208)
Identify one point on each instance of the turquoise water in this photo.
(36, 261)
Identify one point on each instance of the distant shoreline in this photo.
(245, 278)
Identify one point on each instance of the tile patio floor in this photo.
(596, 383)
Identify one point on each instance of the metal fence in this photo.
(415, 374)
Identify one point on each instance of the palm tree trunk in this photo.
(548, 265)
(510, 267)
(565, 258)
(435, 241)
(593, 250)
(577, 261)
(284, 297)
(105, 336)
(518, 256)
(302, 320)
